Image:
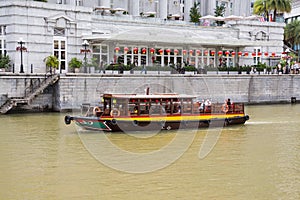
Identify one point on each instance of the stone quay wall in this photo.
(73, 90)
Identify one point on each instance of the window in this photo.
(256, 55)
(59, 50)
(2, 40)
(59, 31)
(79, 3)
(100, 54)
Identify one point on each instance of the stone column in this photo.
(188, 4)
(135, 7)
(163, 9)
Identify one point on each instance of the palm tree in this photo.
(261, 7)
(220, 11)
(265, 6)
(292, 33)
(280, 5)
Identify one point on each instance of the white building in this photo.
(130, 31)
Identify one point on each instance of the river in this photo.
(42, 158)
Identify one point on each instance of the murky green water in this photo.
(42, 158)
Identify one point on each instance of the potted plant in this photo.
(52, 62)
(4, 62)
(75, 64)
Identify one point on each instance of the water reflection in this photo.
(41, 158)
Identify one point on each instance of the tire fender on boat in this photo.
(114, 112)
(114, 122)
(225, 108)
(95, 110)
(68, 119)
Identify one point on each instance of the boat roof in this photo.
(148, 96)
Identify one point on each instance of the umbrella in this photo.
(150, 13)
(233, 18)
(252, 17)
(102, 8)
(119, 9)
(219, 18)
(208, 17)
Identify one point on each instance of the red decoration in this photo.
(198, 52)
(126, 49)
(220, 53)
(117, 49)
(176, 51)
(259, 53)
(85, 51)
(227, 53)
(212, 52)
(266, 54)
(246, 54)
(23, 48)
(135, 50)
(273, 54)
(233, 53)
(184, 52)
(152, 50)
(253, 54)
(168, 51)
(161, 51)
(144, 51)
(191, 52)
(240, 53)
(205, 52)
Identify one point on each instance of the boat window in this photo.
(144, 107)
(186, 106)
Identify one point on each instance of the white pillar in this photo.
(163, 9)
(188, 4)
(105, 3)
(135, 7)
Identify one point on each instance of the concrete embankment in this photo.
(72, 90)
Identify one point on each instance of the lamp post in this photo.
(21, 48)
(287, 51)
(85, 44)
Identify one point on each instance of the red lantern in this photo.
(135, 50)
(240, 53)
(117, 49)
(176, 51)
(227, 53)
(212, 52)
(233, 53)
(220, 53)
(266, 54)
(246, 54)
(191, 52)
(152, 50)
(198, 52)
(205, 52)
(161, 51)
(273, 54)
(184, 52)
(144, 50)
(168, 51)
(126, 49)
(259, 53)
(253, 54)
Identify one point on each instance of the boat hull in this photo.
(152, 124)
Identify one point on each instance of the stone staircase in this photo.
(30, 93)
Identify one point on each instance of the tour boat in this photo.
(141, 112)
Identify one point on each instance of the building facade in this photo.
(133, 33)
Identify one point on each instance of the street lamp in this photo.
(21, 48)
(85, 44)
(287, 51)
